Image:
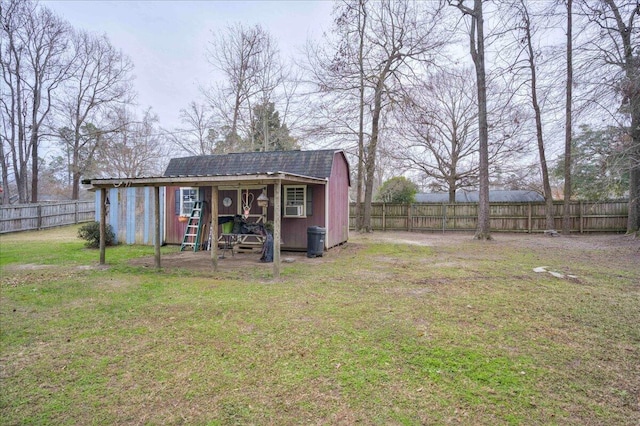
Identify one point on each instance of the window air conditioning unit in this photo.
(293, 210)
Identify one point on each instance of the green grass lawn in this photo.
(456, 331)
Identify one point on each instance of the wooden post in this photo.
(103, 226)
(409, 219)
(444, 217)
(529, 219)
(384, 216)
(39, 214)
(157, 242)
(580, 212)
(214, 227)
(266, 208)
(277, 200)
(75, 213)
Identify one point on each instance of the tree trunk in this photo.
(631, 66)
(5, 195)
(633, 77)
(452, 190)
(362, 18)
(34, 169)
(34, 142)
(76, 186)
(566, 217)
(483, 231)
(548, 196)
(633, 220)
(373, 147)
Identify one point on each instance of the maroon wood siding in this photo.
(338, 226)
(294, 229)
(175, 228)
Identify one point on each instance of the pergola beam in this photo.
(196, 181)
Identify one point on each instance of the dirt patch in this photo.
(202, 261)
(583, 241)
(618, 248)
(16, 275)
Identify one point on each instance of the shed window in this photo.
(295, 201)
(188, 196)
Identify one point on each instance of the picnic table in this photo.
(230, 240)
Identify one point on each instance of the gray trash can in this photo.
(315, 241)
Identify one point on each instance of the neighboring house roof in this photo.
(315, 164)
(495, 196)
(433, 197)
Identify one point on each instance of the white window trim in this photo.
(197, 198)
(295, 203)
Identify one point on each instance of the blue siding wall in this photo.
(131, 214)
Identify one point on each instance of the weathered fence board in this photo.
(131, 214)
(585, 216)
(24, 217)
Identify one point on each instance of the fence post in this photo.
(39, 213)
(75, 213)
(444, 217)
(580, 208)
(384, 216)
(529, 219)
(409, 219)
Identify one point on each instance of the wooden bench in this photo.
(229, 241)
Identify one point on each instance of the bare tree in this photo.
(614, 63)
(269, 77)
(476, 43)
(378, 45)
(337, 66)
(100, 80)
(618, 41)
(34, 63)
(403, 33)
(136, 149)
(568, 127)
(527, 28)
(199, 132)
(355, 13)
(236, 53)
(439, 124)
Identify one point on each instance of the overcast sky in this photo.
(167, 40)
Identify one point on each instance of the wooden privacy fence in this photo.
(23, 217)
(586, 216)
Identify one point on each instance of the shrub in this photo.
(91, 233)
(398, 190)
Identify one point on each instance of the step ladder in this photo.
(193, 232)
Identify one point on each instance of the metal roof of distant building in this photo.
(495, 196)
(316, 164)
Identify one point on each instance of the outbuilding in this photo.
(302, 189)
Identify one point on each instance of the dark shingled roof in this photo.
(315, 164)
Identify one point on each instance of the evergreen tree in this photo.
(268, 134)
(599, 170)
